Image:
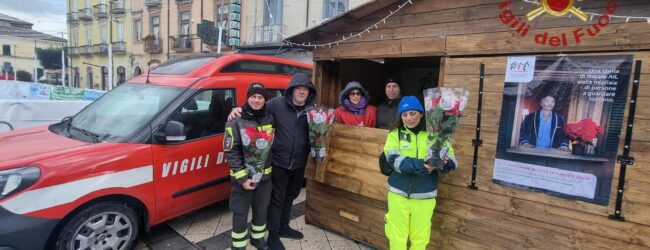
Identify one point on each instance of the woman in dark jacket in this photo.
(250, 170)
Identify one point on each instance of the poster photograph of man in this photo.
(561, 123)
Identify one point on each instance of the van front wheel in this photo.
(105, 225)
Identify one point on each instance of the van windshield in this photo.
(121, 112)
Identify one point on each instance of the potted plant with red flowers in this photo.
(582, 134)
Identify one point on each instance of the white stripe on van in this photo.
(51, 196)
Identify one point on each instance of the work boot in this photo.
(288, 232)
(260, 244)
(274, 242)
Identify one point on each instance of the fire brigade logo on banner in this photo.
(556, 8)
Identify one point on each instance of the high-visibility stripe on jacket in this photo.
(406, 152)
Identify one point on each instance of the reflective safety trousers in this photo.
(408, 219)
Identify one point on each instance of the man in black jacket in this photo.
(290, 151)
(387, 110)
(250, 176)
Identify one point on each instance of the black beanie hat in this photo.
(256, 88)
(392, 79)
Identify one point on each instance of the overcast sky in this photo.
(48, 16)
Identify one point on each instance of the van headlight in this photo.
(14, 180)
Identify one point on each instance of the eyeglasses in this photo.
(357, 93)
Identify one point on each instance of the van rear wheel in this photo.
(104, 225)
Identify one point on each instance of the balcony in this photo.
(100, 11)
(153, 4)
(73, 51)
(153, 45)
(117, 8)
(100, 48)
(86, 50)
(181, 2)
(73, 18)
(119, 47)
(267, 34)
(182, 43)
(85, 15)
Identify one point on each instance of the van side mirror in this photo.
(174, 131)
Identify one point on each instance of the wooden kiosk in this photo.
(431, 43)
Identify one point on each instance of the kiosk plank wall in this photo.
(346, 193)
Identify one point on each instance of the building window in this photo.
(155, 26)
(221, 15)
(6, 50)
(185, 23)
(75, 38)
(272, 12)
(120, 32)
(138, 30)
(89, 36)
(103, 33)
(334, 7)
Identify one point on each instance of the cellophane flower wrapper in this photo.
(320, 119)
(443, 108)
(257, 147)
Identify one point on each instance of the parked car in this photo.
(6, 76)
(147, 151)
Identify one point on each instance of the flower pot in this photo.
(578, 149)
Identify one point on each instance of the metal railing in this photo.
(119, 47)
(73, 51)
(73, 17)
(117, 7)
(100, 11)
(100, 48)
(153, 3)
(267, 34)
(85, 14)
(182, 43)
(85, 49)
(153, 46)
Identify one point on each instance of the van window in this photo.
(181, 66)
(270, 93)
(250, 66)
(205, 113)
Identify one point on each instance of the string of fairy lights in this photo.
(351, 35)
(382, 21)
(592, 14)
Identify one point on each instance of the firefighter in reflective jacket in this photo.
(247, 144)
(412, 186)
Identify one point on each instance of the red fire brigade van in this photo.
(145, 152)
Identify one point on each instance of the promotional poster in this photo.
(560, 124)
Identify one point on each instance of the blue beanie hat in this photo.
(410, 103)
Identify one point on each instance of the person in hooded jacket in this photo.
(354, 109)
(245, 190)
(413, 185)
(290, 150)
(387, 110)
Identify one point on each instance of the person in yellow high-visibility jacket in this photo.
(413, 185)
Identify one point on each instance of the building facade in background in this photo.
(93, 27)
(19, 42)
(149, 32)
